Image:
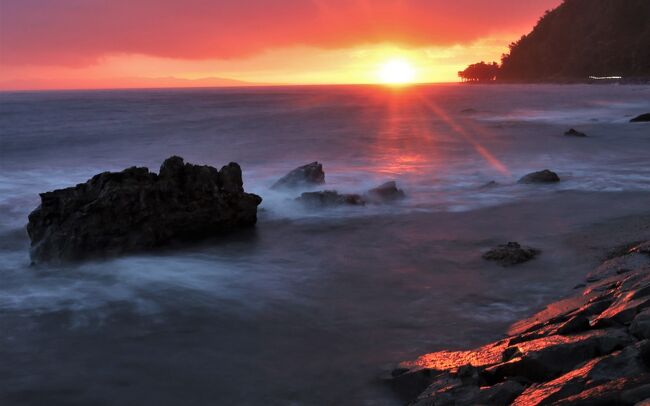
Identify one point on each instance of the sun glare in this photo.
(396, 72)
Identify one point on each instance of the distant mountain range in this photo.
(577, 40)
(122, 83)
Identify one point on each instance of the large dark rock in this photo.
(304, 176)
(544, 176)
(642, 118)
(116, 212)
(510, 254)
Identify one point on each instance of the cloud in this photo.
(82, 32)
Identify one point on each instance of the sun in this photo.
(396, 72)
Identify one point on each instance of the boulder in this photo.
(304, 176)
(385, 193)
(641, 118)
(132, 210)
(544, 176)
(574, 133)
(510, 254)
(330, 198)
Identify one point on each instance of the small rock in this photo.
(510, 353)
(510, 254)
(574, 133)
(576, 324)
(640, 326)
(489, 185)
(468, 111)
(385, 193)
(643, 248)
(642, 118)
(330, 198)
(501, 394)
(304, 176)
(544, 176)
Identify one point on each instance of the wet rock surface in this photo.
(385, 193)
(641, 118)
(309, 175)
(510, 254)
(574, 133)
(545, 176)
(133, 210)
(589, 349)
(330, 198)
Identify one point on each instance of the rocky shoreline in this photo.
(589, 349)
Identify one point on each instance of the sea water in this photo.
(313, 306)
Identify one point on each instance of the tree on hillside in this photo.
(480, 72)
(583, 38)
(579, 39)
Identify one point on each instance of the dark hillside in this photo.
(583, 38)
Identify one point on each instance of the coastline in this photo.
(591, 347)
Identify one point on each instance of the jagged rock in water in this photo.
(554, 357)
(574, 133)
(330, 198)
(641, 118)
(132, 210)
(510, 254)
(385, 193)
(544, 176)
(304, 176)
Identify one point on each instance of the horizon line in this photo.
(237, 86)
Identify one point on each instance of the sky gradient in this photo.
(145, 43)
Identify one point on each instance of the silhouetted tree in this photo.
(480, 72)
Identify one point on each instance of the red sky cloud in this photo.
(81, 32)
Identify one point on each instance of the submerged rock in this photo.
(574, 133)
(510, 254)
(544, 176)
(116, 212)
(590, 349)
(385, 193)
(490, 185)
(304, 176)
(641, 118)
(330, 198)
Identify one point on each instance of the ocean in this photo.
(312, 307)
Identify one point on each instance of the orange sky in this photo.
(46, 44)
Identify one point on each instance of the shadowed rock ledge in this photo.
(590, 349)
(132, 210)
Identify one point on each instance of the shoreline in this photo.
(590, 347)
